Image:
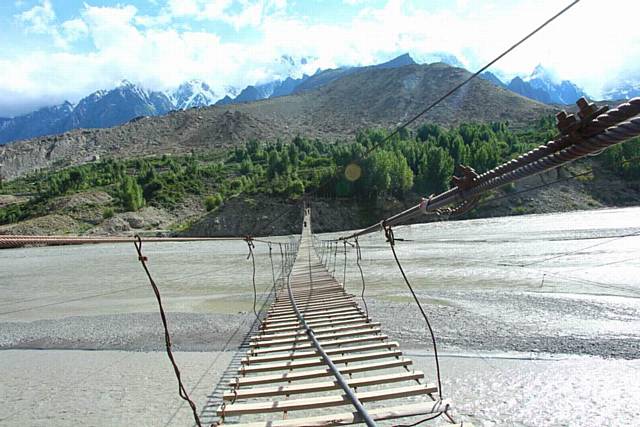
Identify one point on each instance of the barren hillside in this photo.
(371, 98)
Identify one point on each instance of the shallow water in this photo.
(473, 277)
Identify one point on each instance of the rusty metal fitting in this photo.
(468, 178)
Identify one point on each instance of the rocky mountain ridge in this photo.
(128, 101)
(375, 97)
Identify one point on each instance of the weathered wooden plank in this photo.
(251, 360)
(327, 336)
(295, 326)
(313, 308)
(319, 331)
(310, 302)
(315, 314)
(286, 390)
(320, 402)
(308, 344)
(380, 414)
(318, 373)
(299, 364)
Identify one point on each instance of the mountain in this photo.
(443, 57)
(47, 120)
(110, 108)
(101, 109)
(542, 86)
(626, 89)
(373, 97)
(267, 90)
(320, 78)
(490, 77)
(192, 94)
(324, 77)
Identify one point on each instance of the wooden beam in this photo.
(251, 360)
(308, 345)
(295, 326)
(380, 414)
(317, 373)
(319, 331)
(319, 402)
(317, 387)
(300, 364)
(256, 344)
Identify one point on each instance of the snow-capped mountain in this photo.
(626, 89)
(295, 85)
(103, 108)
(543, 86)
(192, 94)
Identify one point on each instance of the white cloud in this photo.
(39, 18)
(238, 13)
(161, 51)
(74, 29)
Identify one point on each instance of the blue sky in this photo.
(55, 50)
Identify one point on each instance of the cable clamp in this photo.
(424, 204)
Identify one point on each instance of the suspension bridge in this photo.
(317, 349)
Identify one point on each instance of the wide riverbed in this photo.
(538, 318)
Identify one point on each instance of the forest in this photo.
(420, 161)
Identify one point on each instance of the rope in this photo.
(424, 420)
(364, 286)
(251, 246)
(344, 269)
(182, 391)
(273, 272)
(635, 233)
(335, 257)
(390, 238)
(282, 261)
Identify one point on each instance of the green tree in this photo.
(131, 194)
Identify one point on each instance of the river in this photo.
(537, 319)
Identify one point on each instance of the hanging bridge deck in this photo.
(284, 373)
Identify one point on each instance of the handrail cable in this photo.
(182, 391)
(390, 238)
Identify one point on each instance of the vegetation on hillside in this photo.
(422, 162)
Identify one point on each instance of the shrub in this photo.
(108, 213)
(212, 202)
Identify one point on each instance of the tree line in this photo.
(420, 161)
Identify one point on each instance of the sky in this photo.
(56, 50)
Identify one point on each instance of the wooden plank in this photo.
(311, 302)
(250, 360)
(317, 373)
(296, 327)
(316, 293)
(307, 345)
(315, 314)
(300, 364)
(320, 402)
(313, 308)
(317, 387)
(319, 331)
(301, 338)
(380, 414)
